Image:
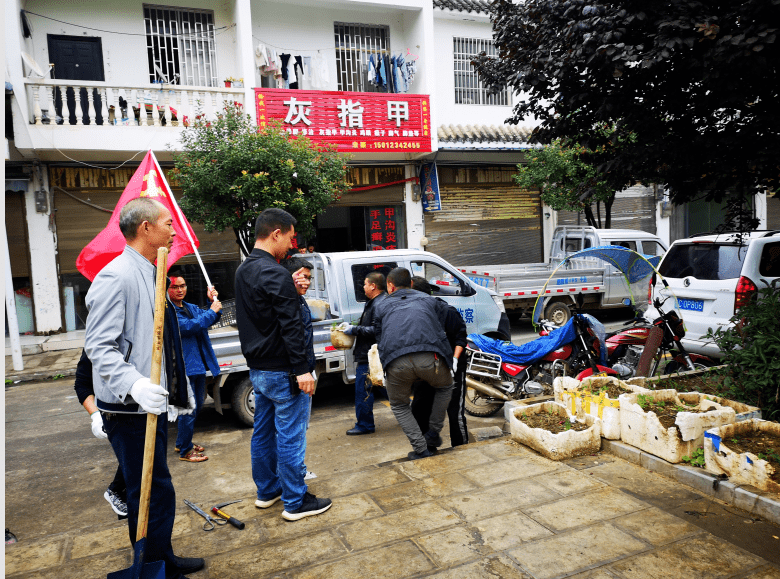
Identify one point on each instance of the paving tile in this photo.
(454, 546)
(452, 461)
(29, 556)
(575, 551)
(496, 566)
(399, 525)
(656, 526)
(764, 573)
(356, 482)
(102, 541)
(221, 540)
(510, 469)
(569, 482)
(694, 558)
(584, 509)
(499, 500)
(447, 484)
(509, 530)
(344, 510)
(594, 574)
(506, 449)
(288, 554)
(90, 567)
(391, 562)
(414, 492)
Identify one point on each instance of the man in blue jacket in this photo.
(194, 324)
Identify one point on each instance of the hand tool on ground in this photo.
(233, 521)
(156, 569)
(209, 524)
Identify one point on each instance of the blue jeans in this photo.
(186, 422)
(279, 438)
(364, 405)
(126, 433)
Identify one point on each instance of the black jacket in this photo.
(268, 313)
(364, 331)
(407, 322)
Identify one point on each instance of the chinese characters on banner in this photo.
(382, 228)
(353, 121)
(429, 182)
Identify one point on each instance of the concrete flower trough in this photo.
(556, 446)
(741, 468)
(644, 431)
(569, 392)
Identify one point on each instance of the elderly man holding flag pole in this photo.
(119, 336)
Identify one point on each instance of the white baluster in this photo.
(103, 94)
(91, 107)
(188, 110)
(37, 105)
(167, 110)
(79, 112)
(155, 108)
(49, 103)
(221, 102)
(139, 105)
(65, 105)
(113, 102)
(208, 107)
(179, 99)
(196, 105)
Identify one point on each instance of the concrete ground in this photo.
(491, 509)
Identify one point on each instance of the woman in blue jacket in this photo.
(199, 357)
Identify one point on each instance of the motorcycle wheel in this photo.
(479, 405)
(674, 367)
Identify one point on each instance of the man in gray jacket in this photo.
(119, 336)
(412, 344)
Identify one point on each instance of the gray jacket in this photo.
(120, 328)
(408, 321)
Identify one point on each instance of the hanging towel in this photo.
(297, 68)
(261, 57)
(371, 70)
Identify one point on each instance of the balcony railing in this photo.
(86, 103)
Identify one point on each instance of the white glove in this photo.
(151, 397)
(454, 364)
(173, 413)
(97, 425)
(345, 327)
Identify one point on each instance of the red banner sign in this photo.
(353, 121)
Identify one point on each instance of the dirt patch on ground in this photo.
(553, 422)
(612, 390)
(764, 445)
(665, 411)
(709, 383)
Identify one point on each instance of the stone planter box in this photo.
(744, 468)
(556, 446)
(568, 392)
(644, 431)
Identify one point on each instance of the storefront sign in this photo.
(353, 121)
(429, 182)
(383, 228)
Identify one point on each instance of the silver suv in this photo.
(712, 276)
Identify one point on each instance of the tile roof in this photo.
(484, 137)
(482, 6)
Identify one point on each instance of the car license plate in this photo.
(691, 305)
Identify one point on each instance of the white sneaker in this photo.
(309, 475)
(265, 504)
(119, 506)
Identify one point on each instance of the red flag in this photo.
(109, 243)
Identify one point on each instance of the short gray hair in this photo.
(136, 212)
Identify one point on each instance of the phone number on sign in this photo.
(395, 145)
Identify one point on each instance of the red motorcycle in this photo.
(640, 349)
(490, 381)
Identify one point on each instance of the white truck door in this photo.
(453, 289)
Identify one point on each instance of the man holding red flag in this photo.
(148, 181)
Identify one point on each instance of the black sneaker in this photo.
(432, 438)
(415, 455)
(10, 538)
(119, 506)
(189, 564)
(311, 506)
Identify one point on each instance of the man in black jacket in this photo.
(457, 334)
(374, 287)
(272, 338)
(409, 328)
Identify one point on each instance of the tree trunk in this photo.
(588, 210)
(608, 211)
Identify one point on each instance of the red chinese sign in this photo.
(353, 121)
(382, 228)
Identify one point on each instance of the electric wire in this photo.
(82, 200)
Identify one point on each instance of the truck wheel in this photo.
(558, 313)
(478, 405)
(243, 402)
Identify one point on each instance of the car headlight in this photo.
(499, 303)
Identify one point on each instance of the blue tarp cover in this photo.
(634, 265)
(530, 352)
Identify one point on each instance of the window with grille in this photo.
(469, 90)
(180, 45)
(355, 43)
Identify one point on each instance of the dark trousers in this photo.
(118, 485)
(364, 400)
(456, 410)
(126, 433)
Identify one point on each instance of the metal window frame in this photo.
(469, 89)
(181, 41)
(355, 43)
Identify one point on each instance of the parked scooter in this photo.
(490, 381)
(639, 350)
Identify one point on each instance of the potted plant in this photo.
(549, 430)
(229, 81)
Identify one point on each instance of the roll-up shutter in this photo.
(484, 223)
(773, 212)
(370, 177)
(16, 229)
(634, 208)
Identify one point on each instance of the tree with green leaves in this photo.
(231, 170)
(567, 182)
(693, 84)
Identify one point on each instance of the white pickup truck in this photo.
(602, 285)
(336, 295)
